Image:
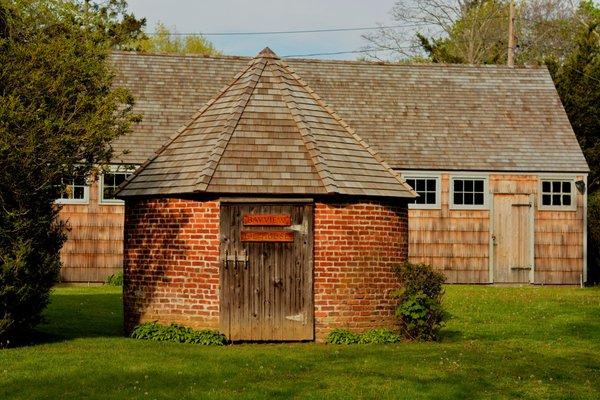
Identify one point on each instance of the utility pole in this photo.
(511, 35)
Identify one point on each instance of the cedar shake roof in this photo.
(446, 117)
(266, 132)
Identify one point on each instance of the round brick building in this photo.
(265, 217)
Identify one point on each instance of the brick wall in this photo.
(355, 247)
(171, 267)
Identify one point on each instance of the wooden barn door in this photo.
(266, 271)
(512, 238)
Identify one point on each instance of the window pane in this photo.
(556, 199)
(431, 185)
(458, 185)
(107, 193)
(545, 186)
(119, 178)
(420, 199)
(431, 198)
(411, 183)
(468, 186)
(479, 199)
(420, 185)
(109, 179)
(556, 187)
(566, 200)
(546, 200)
(479, 186)
(78, 193)
(458, 198)
(566, 187)
(468, 198)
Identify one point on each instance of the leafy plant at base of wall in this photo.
(178, 334)
(379, 336)
(420, 312)
(114, 279)
(372, 336)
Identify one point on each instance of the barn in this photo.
(265, 217)
(489, 149)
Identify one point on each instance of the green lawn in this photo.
(531, 342)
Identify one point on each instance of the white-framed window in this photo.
(469, 192)
(428, 188)
(557, 194)
(111, 178)
(77, 191)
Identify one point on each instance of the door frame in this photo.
(491, 247)
(275, 201)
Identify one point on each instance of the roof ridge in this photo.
(182, 129)
(216, 153)
(308, 139)
(347, 127)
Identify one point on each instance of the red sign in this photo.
(267, 236)
(267, 219)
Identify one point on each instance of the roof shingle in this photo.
(447, 117)
(266, 132)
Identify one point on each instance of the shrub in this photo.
(379, 336)
(342, 336)
(178, 333)
(420, 312)
(372, 336)
(114, 279)
(594, 238)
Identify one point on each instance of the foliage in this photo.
(178, 333)
(342, 336)
(165, 41)
(577, 81)
(371, 336)
(420, 312)
(594, 237)
(379, 336)
(115, 279)
(476, 31)
(58, 114)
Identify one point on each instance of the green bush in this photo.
(114, 279)
(342, 336)
(178, 333)
(373, 336)
(379, 336)
(594, 238)
(420, 312)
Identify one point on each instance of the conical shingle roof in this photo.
(266, 133)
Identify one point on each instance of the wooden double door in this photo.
(266, 271)
(513, 238)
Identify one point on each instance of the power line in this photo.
(345, 52)
(365, 28)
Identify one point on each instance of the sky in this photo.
(270, 15)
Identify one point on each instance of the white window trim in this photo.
(85, 200)
(112, 168)
(486, 194)
(555, 178)
(438, 190)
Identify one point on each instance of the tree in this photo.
(164, 41)
(476, 31)
(59, 112)
(577, 81)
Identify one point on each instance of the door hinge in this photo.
(298, 318)
(301, 228)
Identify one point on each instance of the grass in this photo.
(503, 342)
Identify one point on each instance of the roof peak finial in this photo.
(267, 53)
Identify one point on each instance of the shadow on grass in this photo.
(81, 313)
